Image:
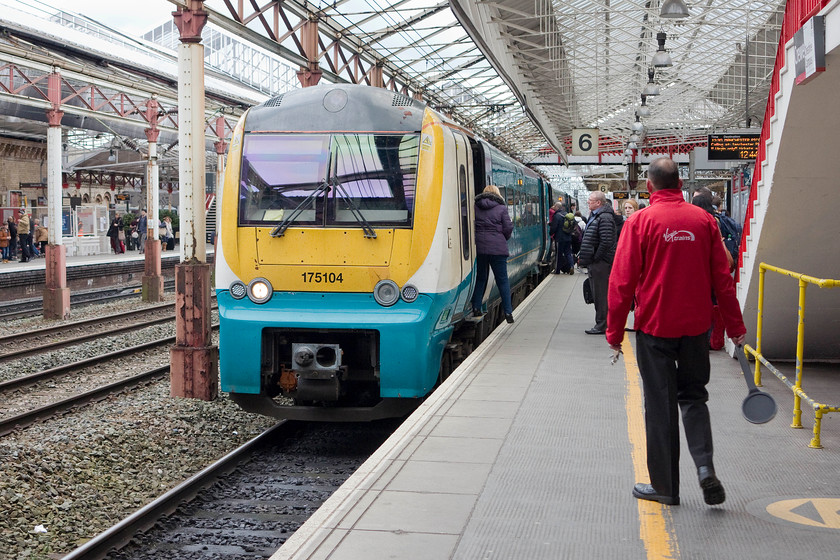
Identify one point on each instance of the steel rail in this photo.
(83, 338)
(49, 330)
(60, 370)
(8, 425)
(31, 311)
(124, 532)
(92, 336)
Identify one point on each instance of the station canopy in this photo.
(525, 73)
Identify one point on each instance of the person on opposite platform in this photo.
(671, 259)
(5, 237)
(142, 227)
(24, 237)
(597, 250)
(41, 239)
(114, 234)
(13, 235)
(492, 230)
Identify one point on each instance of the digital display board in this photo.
(724, 147)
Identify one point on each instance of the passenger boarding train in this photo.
(345, 261)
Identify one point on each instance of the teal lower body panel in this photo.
(411, 340)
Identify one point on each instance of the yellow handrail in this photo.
(796, 387)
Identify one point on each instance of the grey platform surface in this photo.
(531, 448)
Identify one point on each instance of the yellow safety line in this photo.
(655, 522)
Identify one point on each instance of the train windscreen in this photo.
(328, 179)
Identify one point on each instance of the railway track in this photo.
(249, 502)
(44, 339)
(32, 308)
(60, 405)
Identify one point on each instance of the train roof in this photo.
(337, 107)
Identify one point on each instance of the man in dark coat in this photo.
(13, 232)
(492, 230)
(563, 261)
(597, 251)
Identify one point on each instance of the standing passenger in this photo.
(669, 258)
(42, 237)
(24, 237)
(5, 237)
(142, 229)
(597, 250)
(114, 233)
(492, 230)
(630, 206)
(561, 227)
(13, 235)
(170, 235)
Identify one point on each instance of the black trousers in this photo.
(675, 372)
(599, 277)
(25, 246)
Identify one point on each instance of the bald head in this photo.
(663, 173)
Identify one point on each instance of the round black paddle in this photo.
(757, 407)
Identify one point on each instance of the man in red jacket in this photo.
(669, 258)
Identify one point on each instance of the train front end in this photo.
(329, 307)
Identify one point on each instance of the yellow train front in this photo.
(345, 260)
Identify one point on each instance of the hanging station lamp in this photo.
(637, 127)
(650, 88)
(674, 9)
(661, 59)
(643, 110)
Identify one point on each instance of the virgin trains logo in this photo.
(679, 235)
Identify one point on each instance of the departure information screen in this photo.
(723, 147)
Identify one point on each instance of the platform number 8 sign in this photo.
(585, 142)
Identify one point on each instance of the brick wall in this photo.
(21, 161)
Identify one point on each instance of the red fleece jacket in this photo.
(671, 257)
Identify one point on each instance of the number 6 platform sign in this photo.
(585, 142)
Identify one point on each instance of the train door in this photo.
(464, 177)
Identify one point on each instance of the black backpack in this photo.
(731, 234)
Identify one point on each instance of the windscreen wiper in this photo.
(280, 230)
(360, 219)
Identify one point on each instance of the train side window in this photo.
(465, 217)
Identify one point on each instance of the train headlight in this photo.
(259, 290)
(238, 290)
(409, 293)
(386, 293)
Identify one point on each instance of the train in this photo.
(345, 258)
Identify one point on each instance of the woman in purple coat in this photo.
(492, 230)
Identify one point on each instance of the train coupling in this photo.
(316, 369)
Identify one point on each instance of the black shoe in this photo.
(508, 317)
(646, 492)
(593, 330)
(713, 492)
